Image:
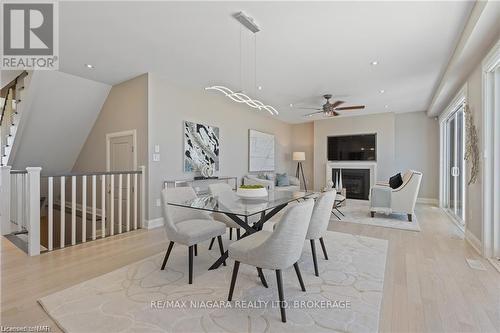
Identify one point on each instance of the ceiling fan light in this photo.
(240, 97)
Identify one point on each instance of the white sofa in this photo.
(384, 199)
(270, 184)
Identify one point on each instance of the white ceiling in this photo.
(305, 49)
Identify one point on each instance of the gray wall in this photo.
(303, 140)
(381, 124)
(417, 147)
(474, 193)
(170, 104)
(126, 108)
(404, 141)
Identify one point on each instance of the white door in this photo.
(455, 177)
(121, 158)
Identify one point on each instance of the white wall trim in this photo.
(154, 223)
(428, 201)
(473, 241)
(460, 98)
(109, 136)
(454, 220)
(491, 161)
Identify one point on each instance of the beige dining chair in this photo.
(276, 250)
(188, 226)
(318, 226)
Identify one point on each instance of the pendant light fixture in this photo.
(239, 96)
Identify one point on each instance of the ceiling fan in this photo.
(330, 109)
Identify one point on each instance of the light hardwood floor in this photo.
(428, 285)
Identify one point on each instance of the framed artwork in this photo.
(201, 147)
(261, 151)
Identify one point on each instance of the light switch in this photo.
(157, 148)
(158, 203)
(156, 157)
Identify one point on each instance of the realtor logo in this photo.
(29, 32)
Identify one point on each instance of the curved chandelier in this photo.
(240, 97)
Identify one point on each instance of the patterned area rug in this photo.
(358, 211)
(142, 298)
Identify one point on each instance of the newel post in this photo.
(33, 224)
(5, 200)
(143, 195)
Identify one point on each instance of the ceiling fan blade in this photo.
(337, 103)
(350, 108)
(300, 108)
(312, 114)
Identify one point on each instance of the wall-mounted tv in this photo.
(352, 147)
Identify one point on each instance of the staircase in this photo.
(11, 97)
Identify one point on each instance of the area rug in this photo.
(358, 211)
(141, 298)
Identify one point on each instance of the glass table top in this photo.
(231, 203)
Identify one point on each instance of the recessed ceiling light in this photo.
(374, 63)
(89, 66)
(259, 87)
(291, 105)
(382, 91)
(386, 106)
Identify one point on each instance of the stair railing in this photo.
(92, 212)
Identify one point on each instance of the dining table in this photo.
(249, 213)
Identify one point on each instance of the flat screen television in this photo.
(352, 147)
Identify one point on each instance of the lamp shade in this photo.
(299, 156)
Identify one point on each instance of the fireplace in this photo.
(355, 181)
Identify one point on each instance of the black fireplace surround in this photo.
(355, 181)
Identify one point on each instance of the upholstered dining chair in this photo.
(276, 250)
(216, 189)
(188, 226)
(319, 224)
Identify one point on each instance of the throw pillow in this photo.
(396, 181)
(282, 179)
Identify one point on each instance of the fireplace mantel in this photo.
(372, 166)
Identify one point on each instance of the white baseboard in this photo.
(154, 223)
(473, 241)
(428, 201)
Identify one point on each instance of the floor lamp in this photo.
(300, 156)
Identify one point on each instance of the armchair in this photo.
(402, 199)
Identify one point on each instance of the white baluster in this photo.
(84, 209)
(94, 208)
(112, 207)
(120, 203)
(50, 213)
(21, 202)
(73, 210)
(5, 199)
(128, 202)
(63, 211)
(33, 224)
(103, 206)
(143, 194)
(135, 201)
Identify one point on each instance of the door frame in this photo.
(110, 136)
(459, 99)
(491, 158)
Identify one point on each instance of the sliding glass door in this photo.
(455, 164)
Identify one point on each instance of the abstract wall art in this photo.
(201, 147)
(261, 151)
